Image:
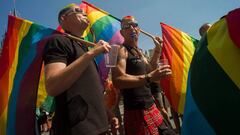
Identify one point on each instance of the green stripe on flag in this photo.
(214, 92)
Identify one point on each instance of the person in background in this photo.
(133, 75)
(112, 99)
(71, 76)
(204, 28)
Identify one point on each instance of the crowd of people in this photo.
(72, 78)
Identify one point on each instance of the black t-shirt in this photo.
(80, 109)
(62, 49)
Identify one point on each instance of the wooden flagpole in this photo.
(81, 40)
(149, 35)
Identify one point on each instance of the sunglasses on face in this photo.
(128, 25)
(75, 11)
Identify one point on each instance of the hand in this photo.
(158, 42)
(102, 47)
(115, 123)
(160, 73)
(164, 111)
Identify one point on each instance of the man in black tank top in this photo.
(132, 76)
(72, 78)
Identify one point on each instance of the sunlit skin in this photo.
(75, 22)
(130, 34)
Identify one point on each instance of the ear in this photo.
(62, 18)
(62, 22)
(122, 33)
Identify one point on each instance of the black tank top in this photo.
(138, 97)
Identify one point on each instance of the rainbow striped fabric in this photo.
(178, 48)
(213, 95)
(44, 101)
(20, 62)
(105, 27)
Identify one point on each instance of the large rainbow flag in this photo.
(178, 48)
(213, 95)
(20, 62)
(105, 27)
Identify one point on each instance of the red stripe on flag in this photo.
(7, 59)
(233, 22)
(173, 51)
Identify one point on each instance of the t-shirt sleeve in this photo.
(55, 51)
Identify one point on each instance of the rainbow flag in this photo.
(105, 27)
(20, 62)
(44, 101)
(213, 95)
(178, 48)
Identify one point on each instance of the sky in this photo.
(186, 15)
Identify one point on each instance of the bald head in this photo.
(204, 28)
(127, 21)
(65, 10)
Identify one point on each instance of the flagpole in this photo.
(14, 8)
(149, 35)
(89, 44)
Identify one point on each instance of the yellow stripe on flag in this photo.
(224, 51)
(94, 16)
(23, 31)
(188, 50)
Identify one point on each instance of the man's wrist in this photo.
(157, 50)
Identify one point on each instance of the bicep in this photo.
(52, 69)
(120, 69)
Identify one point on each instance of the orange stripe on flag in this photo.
(178, 48)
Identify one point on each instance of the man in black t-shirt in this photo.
(72, 77)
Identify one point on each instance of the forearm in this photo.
(129, 81)
(155, 58)
(59, 81)
(157, 52)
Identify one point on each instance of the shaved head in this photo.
(204, 28)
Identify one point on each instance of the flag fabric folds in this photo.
(178, 48)
(213, 95)
(20, 62)
(44, 101)
(105, 27)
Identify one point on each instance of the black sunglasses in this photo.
(128, 25)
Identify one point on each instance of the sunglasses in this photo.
(128, 25)
(74, 11)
